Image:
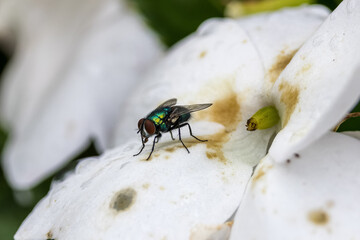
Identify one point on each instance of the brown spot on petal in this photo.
(188, 143)
(123, 200)
(261, 171)
(290, 97)
(170, 149)
(49, 235)
(202, 54)
(226, 111)
(281, 62)
(318, 217)
(211, 155)
(306, 67)
(259, 174)
(202, 231)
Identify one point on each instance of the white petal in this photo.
(175, 195)
(321, 83)
(219, 65)
(355, 134)
(278, 36)
(312, 196)
(224, 63)
(83, 94)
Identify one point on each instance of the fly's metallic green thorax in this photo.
(165, 118)
(159, 117)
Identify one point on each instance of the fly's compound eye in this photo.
(140, 122)
(149, 127)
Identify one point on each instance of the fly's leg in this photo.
(143, 145)
(153, 146)
(171, 135)
(182, 141)
(158, 137)
(183, 125)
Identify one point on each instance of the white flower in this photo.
(74, 66)
(237, 65)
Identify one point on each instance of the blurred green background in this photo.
(172, 20)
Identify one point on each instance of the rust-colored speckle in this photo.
(306, 67)
(244, 41)
(318, 217)
(123, 200)
(260, 172)
(225, 111)
(202, 54)
(229, 223)
(215, 144)
(281, 62)
(167, 157)
(162, 188)
(145, 185)
(290, 97)
(188, 143)
(202, 231)
(211, 155)
(170, 149)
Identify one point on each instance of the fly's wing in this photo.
(168, 103)
(181, 110)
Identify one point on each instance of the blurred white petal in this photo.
(311, 196)
(320, 84)
(68, 81)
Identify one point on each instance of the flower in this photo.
(286, 59)
(74, 64)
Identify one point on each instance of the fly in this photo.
(165, 118)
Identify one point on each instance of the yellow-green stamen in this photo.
(266, 117)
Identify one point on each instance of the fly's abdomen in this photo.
(184, 118)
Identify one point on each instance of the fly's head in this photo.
(146, 128)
